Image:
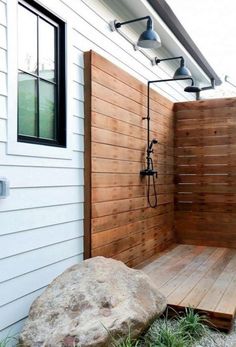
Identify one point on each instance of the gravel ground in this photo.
(219, 339)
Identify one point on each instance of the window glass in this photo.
(27, 99)
(27, 40)
(46, 110)
(41, 71)
(46, 50)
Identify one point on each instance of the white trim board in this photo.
(29, 149)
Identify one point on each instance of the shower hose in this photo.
(151, 203)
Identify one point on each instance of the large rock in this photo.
(89, 303)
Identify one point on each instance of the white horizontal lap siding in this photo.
(3, 106)
(3, 36)
(3, 130)
(18, 221)
(3, 83)
(41, 222)
(92, 32)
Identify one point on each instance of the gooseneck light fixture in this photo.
(148, 39)
(182, 70)
(149, 171)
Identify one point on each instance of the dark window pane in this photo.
(46, 110)
(27, 107)
(27, 40)
(46, 50)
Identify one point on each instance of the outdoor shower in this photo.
(182, 73)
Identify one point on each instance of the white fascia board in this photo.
(170, 43)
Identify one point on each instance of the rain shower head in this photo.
(197, 90)
(192, 89)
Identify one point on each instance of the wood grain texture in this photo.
(122, 226)
(200, 277)
(205, 172)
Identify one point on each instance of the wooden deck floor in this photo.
(197, 276)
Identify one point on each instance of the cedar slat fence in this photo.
(116, 212)
(197, 152)
(205, 172)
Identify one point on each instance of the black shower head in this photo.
(153, 142)
(192, 89)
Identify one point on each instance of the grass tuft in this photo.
(181, 331)
(128, 342)
(164, 334)
(192, 325)
(122, 342)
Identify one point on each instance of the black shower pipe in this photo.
(148, 107)
(212, 86)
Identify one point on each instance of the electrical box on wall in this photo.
(4, 188)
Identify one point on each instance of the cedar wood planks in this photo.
(197, 276)
(205, 172)
(205, 158)
(121, 224)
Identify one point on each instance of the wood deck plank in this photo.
(183, 275)
(212, 299)
(197, 276)
(227, 303)
(149, 264)
(163, 274)
(207, 281)
(187, 286)
(162, 261)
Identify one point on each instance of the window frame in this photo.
(60, 123)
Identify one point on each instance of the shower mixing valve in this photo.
(148, 172)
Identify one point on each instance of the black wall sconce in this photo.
(148, 39)
(182, 70)
(149, 171)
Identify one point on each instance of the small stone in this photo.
(89, 303)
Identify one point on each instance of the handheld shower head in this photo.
(153, 142)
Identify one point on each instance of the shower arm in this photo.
(148, 109)
(212, 86)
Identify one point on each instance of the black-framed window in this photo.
(41, 76)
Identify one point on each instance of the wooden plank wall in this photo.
(205, 166)
(121, 224)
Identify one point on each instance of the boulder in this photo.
(90, 304)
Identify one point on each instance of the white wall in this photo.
(41, 222)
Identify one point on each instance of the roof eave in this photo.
(170, 19)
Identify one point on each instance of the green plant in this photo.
(162, 334)
(192, 325)
(128, 342)
(122, 342)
